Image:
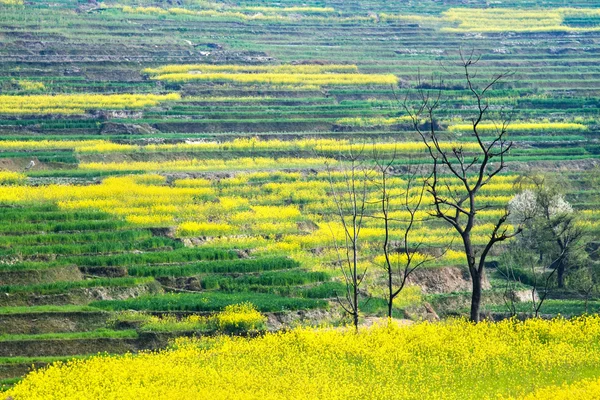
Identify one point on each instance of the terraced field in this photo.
(180, 158)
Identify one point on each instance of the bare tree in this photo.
(510, 289)
(407, 256)
(351, 202)
(590, 285)
(459, 207)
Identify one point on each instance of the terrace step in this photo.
(52, 322)
(14, 370)
(73, 347)
(46, 275)
(80, 296)
(66, 347)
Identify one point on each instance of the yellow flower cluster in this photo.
(453, 360)
(290, 213)
(203, 229)
(400, 259)
(79, 103)
(330, 146)
(243, 163)
(380, 121)
(588, 225)
(273, 69)
(12, 178)
(585, 389)
(273, 75)
(411, 295)
(144, 200)
(515, 20)
(49, 144)
(283, 79)
(31, 86)
(329, 232)
(242, 317)
(130, 197)
(12, 2)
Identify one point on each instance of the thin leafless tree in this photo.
(459, 208)
(511, 282)
(407, 258)
(351, 204)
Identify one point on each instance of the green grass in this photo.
(76, 226)
(225, 266)
(34, 360)
(46, 309)
(97, 334)
(48, 214)
(95, 247)
(59, 287)
(278, 278)
(72, 238)
(378, 306)
(5, 384)
(210, 301)
(157, 257)
(324, 290)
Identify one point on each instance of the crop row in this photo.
(210, 301)
(220, 267)
(27, 251)
(268, 213)
(78, 103)
(61, 287)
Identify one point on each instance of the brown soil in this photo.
(51, 322)
(444, 280)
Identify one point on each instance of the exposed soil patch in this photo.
(32, 277)
(444, 280)
(78, 296)
(50, 322)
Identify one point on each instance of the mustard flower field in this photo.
(299, 200)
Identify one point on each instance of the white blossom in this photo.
(526, 205)
(559, 206)
(523, 206)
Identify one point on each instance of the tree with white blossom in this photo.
(550, 225)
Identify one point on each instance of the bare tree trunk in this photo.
(560, 275)
(587, 299)
(475, 278)
(476, 295)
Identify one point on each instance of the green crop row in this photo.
(97, 334)
(73, 238)
(212, 301)
(60, 287)
(92, 248)
(221, 266)
(283, 278)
